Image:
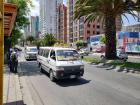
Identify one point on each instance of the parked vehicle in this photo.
(120, 54)
(60, 63)
(83, 52)
(31, 53)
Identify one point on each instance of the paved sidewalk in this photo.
(12, 94)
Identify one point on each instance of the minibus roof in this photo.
(57, 48)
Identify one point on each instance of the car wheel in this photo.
(52, 76)
(102, 56)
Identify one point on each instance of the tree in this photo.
(106, 11)
(79, 44)
(21, 19)
(49, 40)
(102, 39)
(30, 39)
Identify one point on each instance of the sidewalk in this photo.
(12, 94)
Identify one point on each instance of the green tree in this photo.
(102, 39)
(79, 44)
(21, 19)
(30, 39)
(106, 11)
(49, 40)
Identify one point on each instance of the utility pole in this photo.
(1, 49)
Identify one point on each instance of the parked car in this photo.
(83, 52)
(60, 63)
(120, 54)
(31, 53)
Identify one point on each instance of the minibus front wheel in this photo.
(51, 76)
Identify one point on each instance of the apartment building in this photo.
(79, 30)
(62, 23)
(48, 16)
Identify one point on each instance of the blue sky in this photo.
(35, 11)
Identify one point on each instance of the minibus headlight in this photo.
(59, 68)
(82, 67)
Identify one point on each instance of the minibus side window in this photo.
(52, 55)
(47, 53)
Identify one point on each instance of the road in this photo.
(97, 87)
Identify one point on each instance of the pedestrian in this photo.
(13, 62)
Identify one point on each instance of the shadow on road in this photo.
(72, 82)
(29, 68)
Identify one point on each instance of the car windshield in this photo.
(32, 50)
(67, 55)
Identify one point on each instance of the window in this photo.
(40, 52)
(93, 32)
(52, 55)
(98, 32)
(98, 26)
(43, 53)
(88, 32)
(93, 26)
(88, 25)
(46, 52)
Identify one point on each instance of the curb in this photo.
(116, 68)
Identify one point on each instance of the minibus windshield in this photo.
(67, 55)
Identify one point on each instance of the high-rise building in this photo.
(79, 30)
(62, 23)
(48, 16)
(33, 28)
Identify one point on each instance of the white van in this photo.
(60, 63)
(30, 52)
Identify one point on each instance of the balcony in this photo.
(10, 11)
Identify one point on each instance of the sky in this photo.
(35, 12)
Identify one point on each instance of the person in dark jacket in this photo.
(14, 62)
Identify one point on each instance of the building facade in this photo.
(131, 28)
(79, 30)
(48, 16)
(33, 28)
(62, 23)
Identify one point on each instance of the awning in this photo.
(10, 11)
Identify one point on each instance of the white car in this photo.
(83, 52)
(31, 53)
(120, 55)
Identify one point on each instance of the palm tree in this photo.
(106, 11)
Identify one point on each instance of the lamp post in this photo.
(1, 49)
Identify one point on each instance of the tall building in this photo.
(48, 16)
(33, 28)
(79, 30)
(62, 23)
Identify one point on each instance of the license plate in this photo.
(72, 76)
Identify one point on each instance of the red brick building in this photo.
(62, 23)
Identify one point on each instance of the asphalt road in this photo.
(97, 87)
